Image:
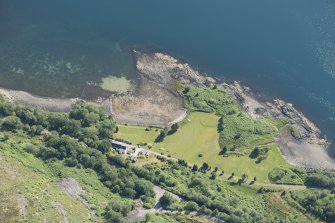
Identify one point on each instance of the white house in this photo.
(121, 147)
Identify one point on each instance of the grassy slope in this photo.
(39, 190)
(21, 172)
(198, 135)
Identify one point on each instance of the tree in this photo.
(71, 162)
(104, 146)
(143, 187)
(213, 176)
(204, 167)
(162, 135)
(174, 128)
(12, 123)
(25, 114)
(6, 108)
(182, 162)
(129, 192)
(220, 125)
(223, 151)
(255, 153)
(72, 127)
(191, 206)
(195, 168)
(113, 217)
(167, 200)
(46, 153)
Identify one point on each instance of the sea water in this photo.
(283, 49)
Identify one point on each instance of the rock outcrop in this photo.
(300, 142)
(164, 69)
(302, 129)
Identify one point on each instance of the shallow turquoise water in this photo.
(281, 48)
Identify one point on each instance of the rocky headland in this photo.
(300, 140)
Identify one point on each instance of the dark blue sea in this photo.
(282, 49)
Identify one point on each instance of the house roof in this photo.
(121, 143)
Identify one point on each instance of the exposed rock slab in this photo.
(22, 206)
(72, 188)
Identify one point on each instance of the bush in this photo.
(120, 206)
(319, 202)
(113, 217)
(191, 206)
(284, 176)
(320, 179)
(167, 201)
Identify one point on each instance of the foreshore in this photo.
(48, 103)
(158, 103)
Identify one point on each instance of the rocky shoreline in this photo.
(301, 142)
(49, 104)
(157, 102)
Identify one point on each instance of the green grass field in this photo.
(198, 135)
(137, 134)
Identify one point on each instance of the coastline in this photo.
(158, 103)
(300, 142)
(48, 103)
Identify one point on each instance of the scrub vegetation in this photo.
(39, 150)
(237, 129)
